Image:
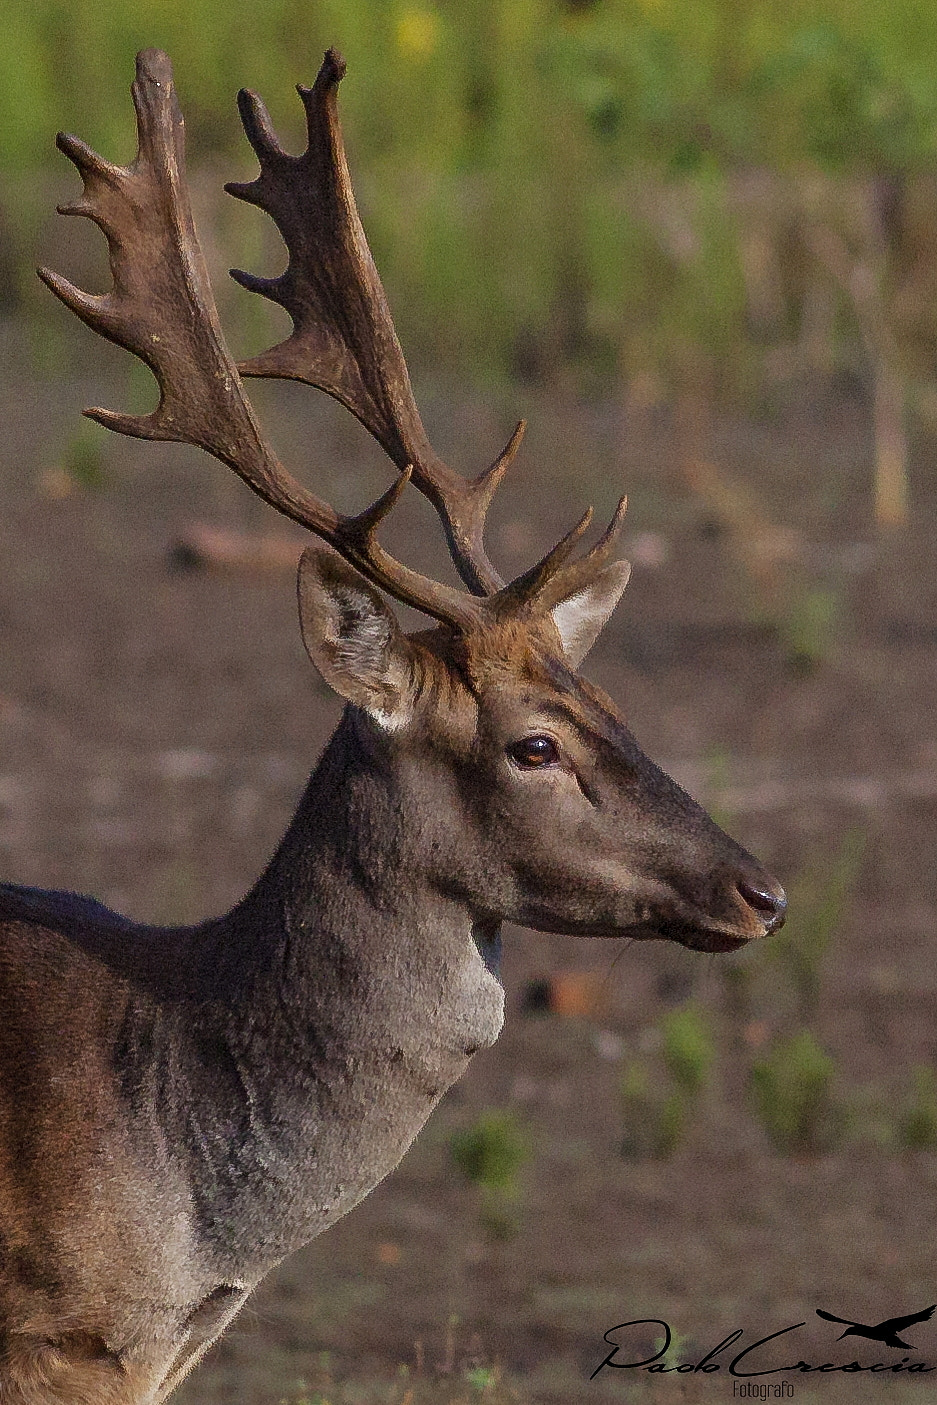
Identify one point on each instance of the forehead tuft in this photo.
(511, 663)
(532, 657)
(504, 651)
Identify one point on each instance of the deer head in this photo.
(530, 798)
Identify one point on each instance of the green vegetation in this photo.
(492, 1151)
(793, 1095)
(819, 898)
(491, 1154)
(808, 630)
(657, 1103)
(83, 462)
(779, 981)
(472, 1386)
(917, 1123)
(486, 82)
(776, 989)
(676, 192)
(688, 1050)
(835, 80)
(654, 1119)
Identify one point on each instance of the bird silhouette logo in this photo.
(886, 1332)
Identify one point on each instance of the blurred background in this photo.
(693, 241)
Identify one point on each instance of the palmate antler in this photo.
(161, 308)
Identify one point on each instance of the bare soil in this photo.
(156, 728)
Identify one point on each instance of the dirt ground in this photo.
(156, 728)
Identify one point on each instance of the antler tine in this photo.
(343, 339)
(161, 308)
(576, 575)
(555, 578)
(489, 480)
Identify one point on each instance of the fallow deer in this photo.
(180, 1108)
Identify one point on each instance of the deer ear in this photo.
(581, 617)
(353, 637)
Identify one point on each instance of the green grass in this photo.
(688, 1049)
(491, 1154)
(792, 1094)
(917, 1122)
(659, 1097)
(819, 899)
(551, 182)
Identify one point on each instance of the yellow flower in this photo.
(417, 32)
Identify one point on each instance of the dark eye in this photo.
(534, 751)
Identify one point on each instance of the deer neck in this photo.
(347, 917)
(368, 993)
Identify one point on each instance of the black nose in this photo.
(770, 902)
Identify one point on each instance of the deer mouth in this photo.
(714, 941)
(710, 939)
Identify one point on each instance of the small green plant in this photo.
(654, 1121)
(303, 1396)
(917, 1124)
(808, 630)
(491, 1154)
(677, 1351)
(688, 1049)
(656, 1112)
(481, 1379)
(819, 898)
(83, 458)
(792, 1089)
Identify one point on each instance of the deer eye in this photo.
(534, 751)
